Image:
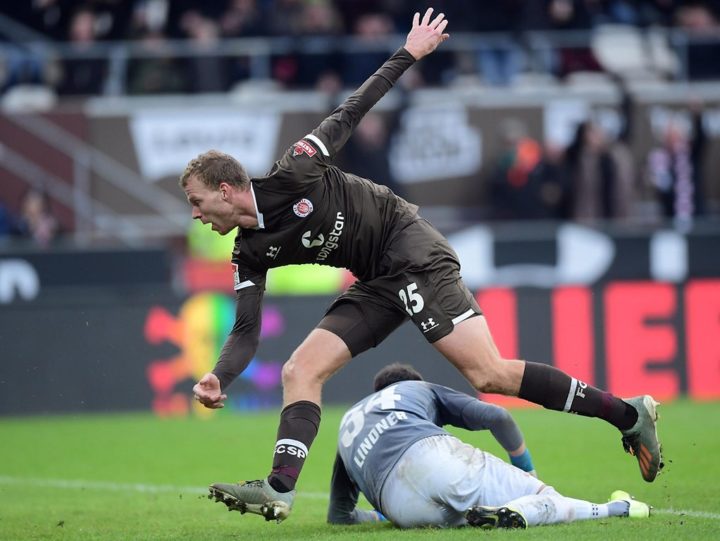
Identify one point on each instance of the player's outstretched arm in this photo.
(463, 411)
(424, 37)
(506, 431)
(237, 352)
(426, 34)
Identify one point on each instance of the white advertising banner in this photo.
(165, 141)
(562, 118)
(435, 143)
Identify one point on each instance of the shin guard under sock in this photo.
(299, 424)
(554, 389)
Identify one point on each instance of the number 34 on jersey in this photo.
(354, 420)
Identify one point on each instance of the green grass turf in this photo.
(138, 477)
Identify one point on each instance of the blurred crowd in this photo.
(152, 24)
(595, 177)
(33, 221)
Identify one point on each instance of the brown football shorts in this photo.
(419, 279)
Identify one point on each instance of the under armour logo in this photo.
(429, 324)
(318, 241)
(273, 251)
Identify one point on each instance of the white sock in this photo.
(584, 510)
(549, 507)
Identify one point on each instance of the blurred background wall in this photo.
(569, 149)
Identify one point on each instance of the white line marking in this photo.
(81, 484)
(687, 512)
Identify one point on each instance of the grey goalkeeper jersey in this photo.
(376, 432)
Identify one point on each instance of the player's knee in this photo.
(298, 370)
(291, 373)
(288, 372)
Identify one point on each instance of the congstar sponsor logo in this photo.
(329, 244)
(308, 243)
(332, 241)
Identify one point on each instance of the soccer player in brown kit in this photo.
(306, 210)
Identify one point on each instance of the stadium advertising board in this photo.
(144, 351)
(165, 140)
(628, 337)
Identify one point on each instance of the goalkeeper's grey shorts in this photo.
(439, 478)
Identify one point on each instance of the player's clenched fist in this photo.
(207, 392)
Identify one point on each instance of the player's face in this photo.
(210, 206)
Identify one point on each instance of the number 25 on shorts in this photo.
(412, 300)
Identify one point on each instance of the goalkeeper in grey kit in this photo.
(306, 210)
(392, 448)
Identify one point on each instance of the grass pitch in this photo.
(133, 477)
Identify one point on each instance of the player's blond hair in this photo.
(213, 167)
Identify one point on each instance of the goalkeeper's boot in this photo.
(254, 497)
(641, 440)
(636, 509)
(494, 517)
